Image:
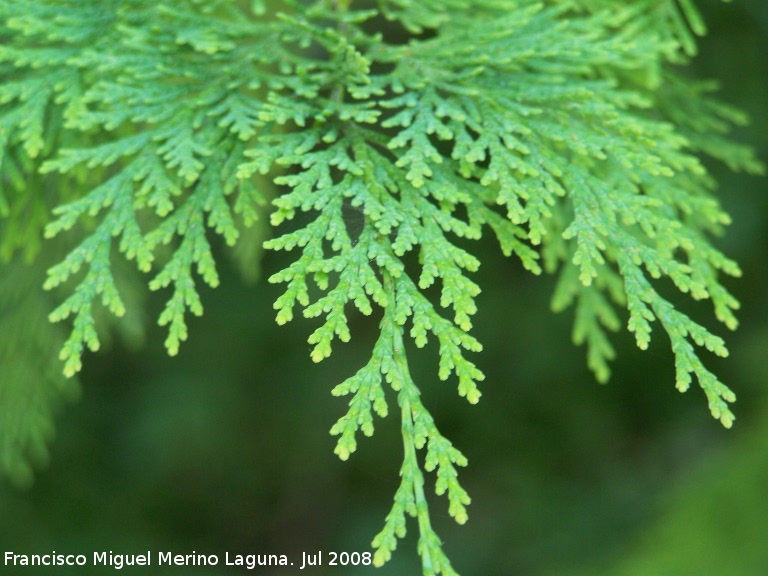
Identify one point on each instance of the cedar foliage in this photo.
(135, 131)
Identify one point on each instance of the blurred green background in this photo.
(226, 447)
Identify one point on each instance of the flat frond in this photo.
(31, 384)
(140, 132)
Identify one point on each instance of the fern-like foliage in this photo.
(557, 126)
(31, 383)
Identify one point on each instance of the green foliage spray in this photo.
(133, 131)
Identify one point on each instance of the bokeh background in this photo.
(226, 447)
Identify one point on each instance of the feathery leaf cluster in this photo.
(557, 126)
(31, 383)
